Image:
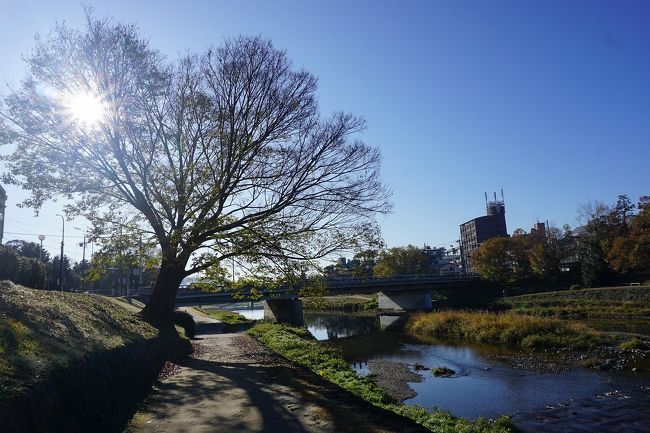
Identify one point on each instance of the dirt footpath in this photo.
(234, 384)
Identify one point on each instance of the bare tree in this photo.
(220, 154)
(590, 210)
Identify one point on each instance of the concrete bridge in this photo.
(396, 294)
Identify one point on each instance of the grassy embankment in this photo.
(512, 329)
(41, 332)
(607, 302)
(341, 303)
(297, 345)
(229, 317)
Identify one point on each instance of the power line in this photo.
(46, 234)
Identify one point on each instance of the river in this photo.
(577, 400)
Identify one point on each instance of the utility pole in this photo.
(40, 258)
(463, 265)
(453, 256)
(61, 257)
(141, 257)
(83, 263)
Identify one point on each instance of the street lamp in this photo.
(453, 256)
(61, 256)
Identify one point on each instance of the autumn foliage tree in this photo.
(214, 155)
(630, 252)
(493, 260)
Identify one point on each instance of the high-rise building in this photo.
(477, 230)
(3, 199)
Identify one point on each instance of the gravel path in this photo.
(234, 384)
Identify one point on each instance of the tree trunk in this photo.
(159, 311)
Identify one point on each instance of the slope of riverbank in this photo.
(604, 302)
(74, 362)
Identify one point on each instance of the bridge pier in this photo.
(284, 311)
(405, 301)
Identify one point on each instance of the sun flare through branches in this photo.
(85, 108)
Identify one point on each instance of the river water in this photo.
(577, 400)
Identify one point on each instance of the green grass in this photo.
(507, 328)
(608, 302)
(42, 331)
(297, 345)
(229, 317)
(633, 344)
(348, 304)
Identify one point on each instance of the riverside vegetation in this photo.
(297, 345)
(522, 331)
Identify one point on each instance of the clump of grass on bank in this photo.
(41, 331)
(229, 317)
(298, 346)
(348, 304)
(607, 302)
(503, 328)
(634, 344)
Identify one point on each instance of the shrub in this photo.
(185, 321)
(8, 264)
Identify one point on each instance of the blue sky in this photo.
(549, 100)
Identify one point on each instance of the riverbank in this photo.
(233, 384)
(296, 345)
(347, 303)
(604, 302)
(75, 362)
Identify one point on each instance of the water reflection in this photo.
(332, 326)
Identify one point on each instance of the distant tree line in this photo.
(612, 246)
(122, 265)
(389, 262)
(26, 263)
